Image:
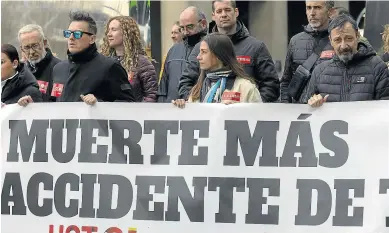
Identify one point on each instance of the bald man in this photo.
(193, 26)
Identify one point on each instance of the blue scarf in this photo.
(213, 82)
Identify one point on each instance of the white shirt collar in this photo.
(5, 81)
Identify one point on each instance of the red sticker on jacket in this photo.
(43, 86)
(131, 77)
(327, 54)
(57, 90)
(244, 59)
(231, 95)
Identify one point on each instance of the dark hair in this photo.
(221, 46)
(339, 22)
(84, 16)
(233, 3)
(330, 4)
(176, 23)
(341, 10)
(11, 52)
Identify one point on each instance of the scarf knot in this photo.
(215, 82)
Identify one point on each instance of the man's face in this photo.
(345, 42)
(225, 15)
(32, 46)
(78, 45)
(190, 24)
(176, 34)
(317, 14)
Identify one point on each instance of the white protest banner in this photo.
(146, 168)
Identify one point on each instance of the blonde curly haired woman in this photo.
(122, 41)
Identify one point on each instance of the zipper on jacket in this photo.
(348, 86)
(343, 85)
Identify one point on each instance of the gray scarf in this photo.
(211, 79)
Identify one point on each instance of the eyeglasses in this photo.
(77, 34)
(189, 27)
(27, 48)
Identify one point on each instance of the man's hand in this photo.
(179, 103)
(89, 99)
(317, 100)
(25, 100)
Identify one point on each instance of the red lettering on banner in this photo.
(231, 95)
(57, 90)
(244, 59)
(43, 86)
(113, 230)
(327, 54)
(73, 229)
(89, 229)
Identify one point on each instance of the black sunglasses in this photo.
(77, 34)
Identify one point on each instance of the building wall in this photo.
(268, 22)
(170, 12)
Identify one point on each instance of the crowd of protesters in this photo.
(210, 62)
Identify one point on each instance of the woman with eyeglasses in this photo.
(222, 78)
(87, 75)
(123, 42)
(16, 79)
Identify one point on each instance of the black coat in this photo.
(300, 48)
(24, 83)
(89, 72)
(43, 72)
(365, 77)
(252, 53)
(385, 57)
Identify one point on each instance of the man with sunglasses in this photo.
(193, 26)
(87, 75)
(38, 58)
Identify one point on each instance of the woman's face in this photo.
(7, 67)
(115, 34)
(207, 60)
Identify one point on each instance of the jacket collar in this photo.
(241, 31)
(192, 40)
(83, 56)
(40, 66)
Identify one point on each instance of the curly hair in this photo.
(132, 42)
(385, 37)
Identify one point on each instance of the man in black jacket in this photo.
(40, 60)
(193, 25)
(303, 44)
(87, 75)
(356, 73)
(251, 53)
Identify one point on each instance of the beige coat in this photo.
(248, 91)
